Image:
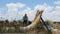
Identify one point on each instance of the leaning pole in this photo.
(34, 23)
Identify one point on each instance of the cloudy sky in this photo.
(15, 9)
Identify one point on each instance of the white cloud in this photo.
(57, 2)
(13, 11)
(1, 10)
(44, 7)
(15, 5)
(20, 5)
(55, 15)
(11, 14)
(30, 13)
(1, 15)
(50, 13)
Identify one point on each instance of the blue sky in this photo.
(15, 9)
(30, 3)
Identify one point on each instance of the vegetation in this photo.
(36, 27)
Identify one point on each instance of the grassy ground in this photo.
(34, 31)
